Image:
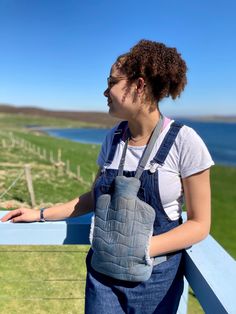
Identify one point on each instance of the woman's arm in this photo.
(52, 213)
(76, 207)
(198, 203)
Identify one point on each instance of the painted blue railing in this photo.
(209, 269)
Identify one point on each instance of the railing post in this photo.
(30, 184)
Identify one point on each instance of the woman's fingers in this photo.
(20, 218)
(11, 214)
(27, 215)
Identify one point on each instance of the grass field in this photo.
(20, 120)
(56, 274)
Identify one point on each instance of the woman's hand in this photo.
(22, 215)
(198, 203)
(76, 207)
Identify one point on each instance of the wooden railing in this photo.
(209, 269)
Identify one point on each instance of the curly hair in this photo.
(162, 68)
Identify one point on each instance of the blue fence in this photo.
(209, 269)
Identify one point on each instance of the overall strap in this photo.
(146, 152)
(118, 134)
(167, 143)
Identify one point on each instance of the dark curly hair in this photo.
(162, 68)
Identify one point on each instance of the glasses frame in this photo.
(113, 80)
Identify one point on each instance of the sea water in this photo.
(220, 138)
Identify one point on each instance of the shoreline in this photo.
(229, 165)
(209, 120)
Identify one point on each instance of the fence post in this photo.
(12, 139)
(67, 166)
(59, 155)
(4, 143)
(78, 172)
(51, 157)
(30, 184)
(34, 149)
(44, 154)
(38, 151)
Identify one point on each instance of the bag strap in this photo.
(146, 153)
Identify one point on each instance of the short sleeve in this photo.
(105, 149)
(193, 154)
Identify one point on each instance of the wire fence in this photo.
(9, 140)
(12, 184)
(63, 168)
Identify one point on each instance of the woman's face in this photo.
(120, 95)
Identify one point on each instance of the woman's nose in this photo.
(106, 92)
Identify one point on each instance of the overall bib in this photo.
(162, 291)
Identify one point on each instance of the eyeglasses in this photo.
(112, 80)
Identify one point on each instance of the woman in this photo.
(138, 81)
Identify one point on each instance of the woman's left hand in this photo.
(198, 203)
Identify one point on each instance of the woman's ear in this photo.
(140, 85)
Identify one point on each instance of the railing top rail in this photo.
(48, 233)
(211, 272)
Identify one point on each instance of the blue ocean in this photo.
(220, 138)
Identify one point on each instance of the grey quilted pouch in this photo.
(122, 226)
(122, 230)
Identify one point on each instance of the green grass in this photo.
(48, 185)
(50, 279)
(223, 180)
(22, 121)
(42, 279)
(36, 279)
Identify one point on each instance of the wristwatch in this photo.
(41, 217)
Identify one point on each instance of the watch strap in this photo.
(41, 217)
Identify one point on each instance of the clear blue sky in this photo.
(57, 54)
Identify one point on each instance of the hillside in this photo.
(102, 119)
(99, 118)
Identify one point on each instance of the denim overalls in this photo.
(162, 291)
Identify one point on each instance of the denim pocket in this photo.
(141, 194)
(104, 189)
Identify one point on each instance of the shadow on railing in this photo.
(209, 269)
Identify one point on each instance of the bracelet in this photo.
(41, 218)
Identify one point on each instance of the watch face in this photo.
(41, 215)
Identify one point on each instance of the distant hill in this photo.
(101, 118)
(97, 117)
(213, 118)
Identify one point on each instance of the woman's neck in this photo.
(142, 127)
